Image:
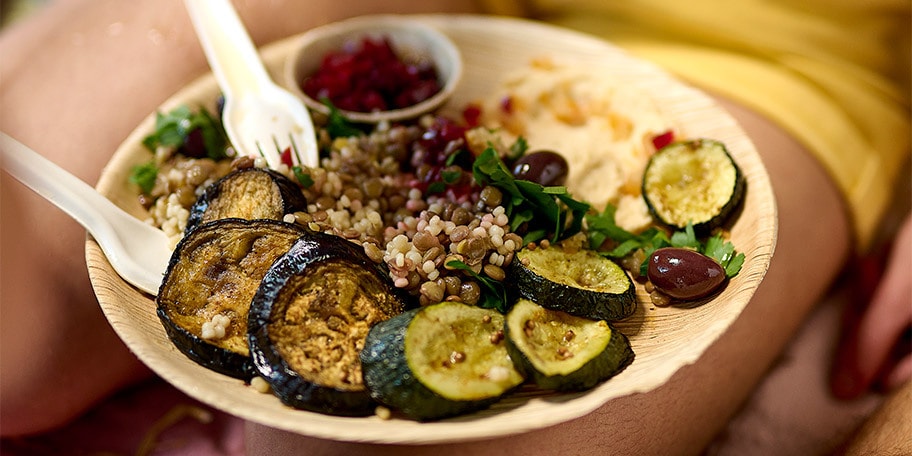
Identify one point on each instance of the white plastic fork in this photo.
(138, 251)
(260, 117)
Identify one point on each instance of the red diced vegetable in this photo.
(662, 140)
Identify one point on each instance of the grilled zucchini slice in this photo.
(205, 295)
(309, 319)
(438, 361)
(694, 182)
(249, 193)
(581, 283)
(559, 351)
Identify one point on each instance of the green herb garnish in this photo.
(144, 176)
(303, 178)
(543, 210)
(602, 228)
(173, 128)
(724, 253)
(518, 149)
(337, 125)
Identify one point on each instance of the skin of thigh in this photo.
(77, 78)
(889, 430)
(682, 416)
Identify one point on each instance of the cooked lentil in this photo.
(363, 192)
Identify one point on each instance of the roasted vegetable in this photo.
(694, 182)
(205, 295)
(559, 351)
(438, 361)
(249, 193)
(308, 321)
(581, 283)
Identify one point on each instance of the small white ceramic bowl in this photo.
(410, 39)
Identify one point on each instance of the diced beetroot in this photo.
(472, 115)
(353, 78)
(662, 140)
(285, 157)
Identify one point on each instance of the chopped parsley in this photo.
(144, 176)
(518, 149)
(337, 125)
(539, 212)
(601, 228)
(303, 178)
(173, 130)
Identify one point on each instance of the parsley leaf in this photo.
(724, 253)
(686, 238)
(172, 130)
(303, 178)
(518, 149)
(602, 229)
(337, 125)
(541, 210)
(144, 176)
(450, 176)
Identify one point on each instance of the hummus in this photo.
(603, 128)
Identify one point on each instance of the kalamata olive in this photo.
(544, 167)
(683, 273)
(194, 146)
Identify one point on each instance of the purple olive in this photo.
(543, 167)
(683, 273)
(195, 145)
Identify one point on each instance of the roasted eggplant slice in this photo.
(205, 295)
(309, 319)
(250, 193)
(694, 182)
(581, 283)
(439, 361)
(559, 351)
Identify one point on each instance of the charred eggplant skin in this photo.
(212, 357)
(286, 281)
(188, 284)
(271, 194)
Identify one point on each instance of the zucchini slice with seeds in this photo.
(438, 361)
(581, 283)
(693, 182)
(205, 295)
(309, 320)
(249, 193)
(559, 351)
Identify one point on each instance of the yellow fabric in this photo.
(834, 73)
